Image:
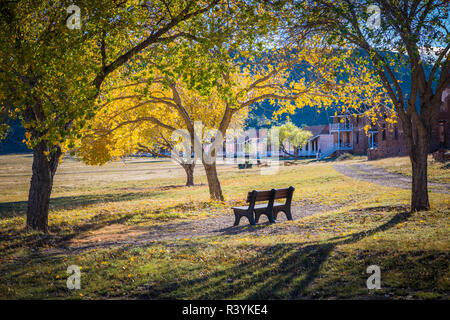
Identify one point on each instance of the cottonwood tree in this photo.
(145, 115)
(192, 81)
(127, 124)
(101, 144)
(394, 35)
(51, 75)
(289, 133)
(246, 79)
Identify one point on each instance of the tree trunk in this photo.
(189, 168)
(44, 168)
(215, 191)
(418, 156)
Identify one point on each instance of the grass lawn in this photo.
(320, 256)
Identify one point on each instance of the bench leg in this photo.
(269, 217)
(239, 215)
(251, 219)
(237, 218)
(288, 214)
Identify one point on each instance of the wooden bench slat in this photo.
(260, 196)
(265, 195)
(282, 193)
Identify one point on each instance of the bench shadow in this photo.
(241, 229)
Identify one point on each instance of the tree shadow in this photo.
(60, 237)
(282, 271)
(18, 208)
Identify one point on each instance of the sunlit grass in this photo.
(320, 256)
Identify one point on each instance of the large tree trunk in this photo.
(418, 156)
(189, 168)
(215, 191)
(44, 169)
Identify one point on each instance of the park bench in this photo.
(271, 209)
(245, 165)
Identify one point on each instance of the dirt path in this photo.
(122, 235)
(365, 172)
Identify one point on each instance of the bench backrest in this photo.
(274, 194)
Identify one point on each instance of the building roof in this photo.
(318, 130)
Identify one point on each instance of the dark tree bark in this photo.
(44, 169)
(417, 133)
(296, 154)
(189, 168)
(419, 195)
(215, 190)
(415, 25)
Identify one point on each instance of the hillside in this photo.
(14, 140)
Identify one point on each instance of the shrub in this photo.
(345, 156)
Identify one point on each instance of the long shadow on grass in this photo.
(37, 241)
(281, 271)
(18, 208)
(60, 237)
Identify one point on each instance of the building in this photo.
(346, 133)
(382, 139)
(440, 134)
(389, 140)
(320, 141)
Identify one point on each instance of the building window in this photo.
(373, 140)
(306, 146)
(347, 123)
(383, 132)
(357, 137)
